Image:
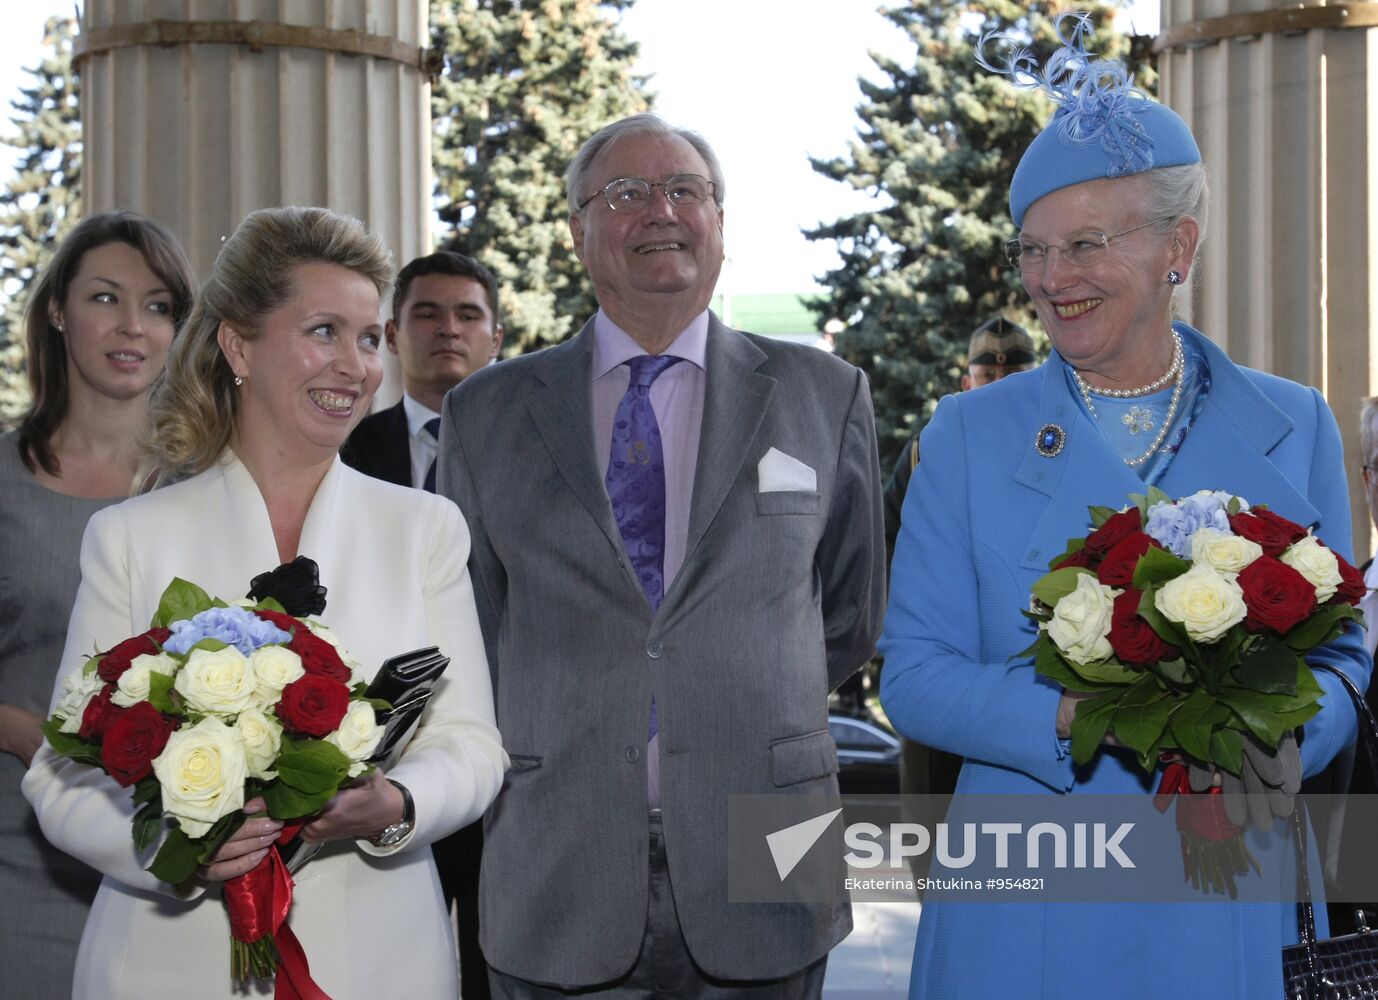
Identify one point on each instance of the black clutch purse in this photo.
(407, 683)
(1338, 968)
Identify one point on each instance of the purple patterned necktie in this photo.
(636, 481)
(636, 476)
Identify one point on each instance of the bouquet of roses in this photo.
(1186, 624)
(214, 705)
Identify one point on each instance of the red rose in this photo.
(1270, 531)
(1133, 639)
(1114, 531)
(133, 740)
(1276, 595)
(1081, 557)
(319, 657)
(1352, 589)
(313, 706)
(283, 621)
(117, 660)
(100, 711)
(1117, 568)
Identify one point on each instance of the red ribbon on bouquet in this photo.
(1199, 813)
(258, 902)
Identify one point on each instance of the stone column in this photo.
(1283, 100)
(197, 112)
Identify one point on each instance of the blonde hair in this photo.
(194, 405)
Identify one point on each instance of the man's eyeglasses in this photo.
(1084, 250)
(632, 194)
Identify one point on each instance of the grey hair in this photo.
(576, 177)
(1173, 193)
(1368, 427)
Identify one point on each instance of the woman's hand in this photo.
(362, 809)
(19, 732)
(249, 845)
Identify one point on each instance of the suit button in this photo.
(633, 755)
(654, 649)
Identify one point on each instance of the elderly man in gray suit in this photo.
(677, 553)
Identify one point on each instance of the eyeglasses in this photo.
(1082, 251)
(632, 194)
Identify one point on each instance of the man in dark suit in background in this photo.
(444, 326)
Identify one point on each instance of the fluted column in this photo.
(197, 112)
(1283, 99)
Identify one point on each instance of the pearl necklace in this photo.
(1173, 374)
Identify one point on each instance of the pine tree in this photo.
(42, 201)
(525, 83)
(938, 141)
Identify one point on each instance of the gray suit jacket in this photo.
(779, 599)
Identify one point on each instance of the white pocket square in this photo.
(778, 473)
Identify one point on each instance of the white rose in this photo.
(221, 681)
(1081, 621)
(1226, 552)
(262, 736)
(1203, 601)
(78, 688)
(202, 771)
(358, 735)
(274, 668)
(134, 684)
(1317, 563)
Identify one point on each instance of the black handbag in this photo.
(1338, 968)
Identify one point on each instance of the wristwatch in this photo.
(395, 833)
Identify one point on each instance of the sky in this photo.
(769, 83)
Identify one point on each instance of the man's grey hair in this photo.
(1368, 429)
(577, 179)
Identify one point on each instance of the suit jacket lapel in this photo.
(562, 411)
(735, 398)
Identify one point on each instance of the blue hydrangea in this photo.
(1173, 524)
(235, 627)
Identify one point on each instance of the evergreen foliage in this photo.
(938, 142)
(525, 83)
(42, 200)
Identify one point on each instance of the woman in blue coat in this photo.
(1111, 202)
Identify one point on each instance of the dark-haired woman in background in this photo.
(98, 326)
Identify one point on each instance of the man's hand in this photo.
(19, 732)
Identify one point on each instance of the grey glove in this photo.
(1266, 786)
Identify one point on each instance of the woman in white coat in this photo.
(276, 366)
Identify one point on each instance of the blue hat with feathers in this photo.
(1103, 125)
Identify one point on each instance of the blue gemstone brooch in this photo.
(1050, 440)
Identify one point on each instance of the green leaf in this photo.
(312, 766)
(270, 604)
(1191, 727)
(148, 823)
(1099, 515)
(1107, 672)
(1140, 727)
(147, 790)
(1158, 566)
(1053, 587)
(1233, 507)
(160, 694)
(1167, 629)
(1269, 666)
(70, 745)
(1050, 663)
(1227, 750)
(180, 601)
(1323, 625)
(177, 859)
(209, 645)
(1174, 672)
(285, 802)
(1268, 716)
(1090, 724)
